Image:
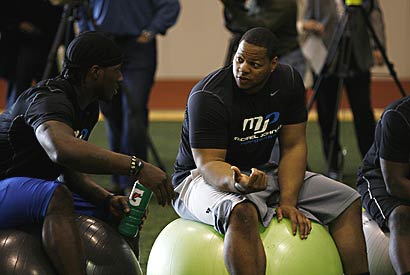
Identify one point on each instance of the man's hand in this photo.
(378, 57)
(157, 181)
(118, 206)
(296, 218)
(314, 26)
(145, 37)
(255, 182)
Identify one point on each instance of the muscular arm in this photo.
(85, 186)
(397, 178)
(220, 174)
(64, 148)
(292, 166)
(212, 166)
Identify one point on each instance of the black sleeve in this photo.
(208, 121)
(395, 136)
(47, 106)
(296, 108)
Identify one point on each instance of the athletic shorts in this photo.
(25, 201)
(375, 198)
(320, 198)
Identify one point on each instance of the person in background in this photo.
(321, 20)
(134, 26)
(44, 153)
(279, 16)
(222, 176)
(28, 29)
(384, 181)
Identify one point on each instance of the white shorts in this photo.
(320, 198)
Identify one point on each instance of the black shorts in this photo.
(375, 198)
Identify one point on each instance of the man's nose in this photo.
(244, 67)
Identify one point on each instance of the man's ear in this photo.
(274, 63)
(95, 72)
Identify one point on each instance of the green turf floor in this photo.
(165, 136)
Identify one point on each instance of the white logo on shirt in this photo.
(275, 92)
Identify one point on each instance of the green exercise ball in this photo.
(186, 247)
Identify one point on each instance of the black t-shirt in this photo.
(20, 152)
(221, 116)
(392, 138)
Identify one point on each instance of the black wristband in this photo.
(135, 166)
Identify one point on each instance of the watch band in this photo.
(135, 166)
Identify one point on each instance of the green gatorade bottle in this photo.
(138, 202)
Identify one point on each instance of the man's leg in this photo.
(347, 232)
(113, 117)
(243, 247)
(399, 246)
(35, 201)
(138, 71)
(326, 105)
(338, 206)
(232, 215)
(61, 238)
(358, 91)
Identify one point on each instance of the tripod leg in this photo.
(383, 51)
(141, 128)
(331, 55)
(57, 40)
(333, 164)
(342, 70)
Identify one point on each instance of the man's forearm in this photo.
(91, 159)
(291, 172)
(219, 174)
(85, 186)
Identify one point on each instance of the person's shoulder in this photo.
(286, 74)
(214, 80)
(399, 104)
(56, 86)
(400, 107)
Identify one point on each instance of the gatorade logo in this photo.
(136, 197)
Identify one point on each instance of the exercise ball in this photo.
(186, 247)
(21, 250)
(377, 243)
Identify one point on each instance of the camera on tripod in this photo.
(356, 3)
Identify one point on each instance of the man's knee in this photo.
(61, 201)
(244, 215)
(399, 219)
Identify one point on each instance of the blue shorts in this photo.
(25, 201)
